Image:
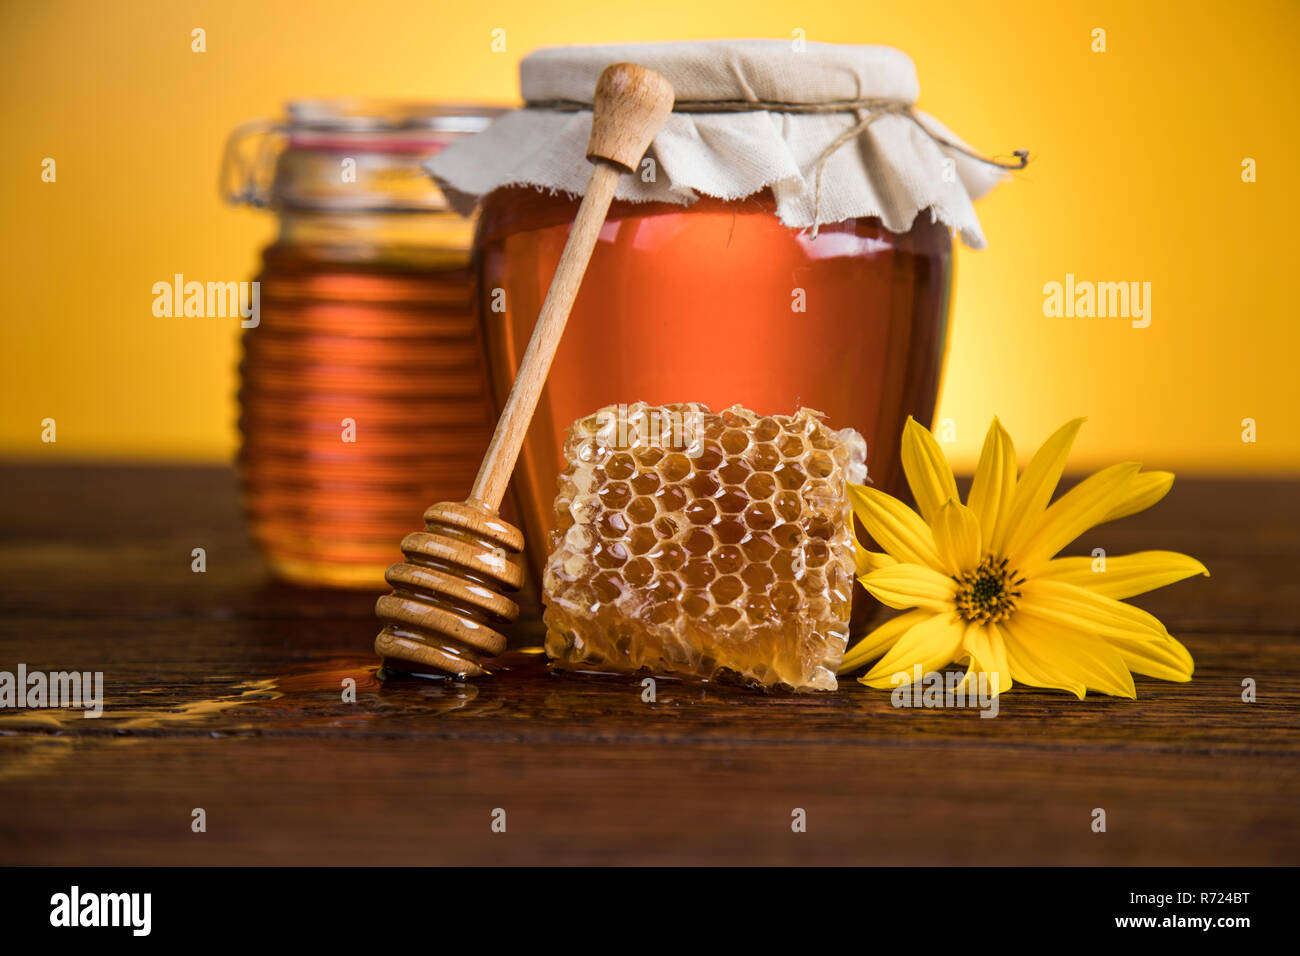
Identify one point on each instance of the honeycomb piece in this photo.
(702, 545)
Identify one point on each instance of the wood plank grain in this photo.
(224, 690)
(429, 801)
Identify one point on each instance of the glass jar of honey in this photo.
(717, 303)
(786, 242)
(363, 394)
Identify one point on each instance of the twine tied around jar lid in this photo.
(872, 107)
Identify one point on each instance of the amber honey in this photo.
(717, 303)
(392, 352)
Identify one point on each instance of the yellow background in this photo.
(1136, 176)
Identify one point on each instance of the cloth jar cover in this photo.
(893, 169)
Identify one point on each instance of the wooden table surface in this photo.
(223, 692)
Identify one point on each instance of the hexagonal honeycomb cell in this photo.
(705, 546)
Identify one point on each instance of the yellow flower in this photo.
(985, 586)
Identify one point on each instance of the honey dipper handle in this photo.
(630, 106)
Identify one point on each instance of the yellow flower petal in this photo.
(1080, 508)
(956, 536)
(1165, 658)
(866, 561)
(880, 640)
(910, 585)
(1028, 667)
(1046, 649)
(983, 644)
(894, 526)
(995, 479)
(1034, 490)
(1077, 656)
(932, 644)
(1086, 612)
(928, 473)
(1125, 574)
(1143, 491)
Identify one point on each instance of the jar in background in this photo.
(363, 395)
(719, 303)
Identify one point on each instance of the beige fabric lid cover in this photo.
(891, 170)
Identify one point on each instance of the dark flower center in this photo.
(987, 594)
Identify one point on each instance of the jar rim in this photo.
(278, 162)
(378, 114)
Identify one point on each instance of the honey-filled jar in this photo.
(786, 242)
(363, 392)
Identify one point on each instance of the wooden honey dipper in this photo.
(447, 608)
